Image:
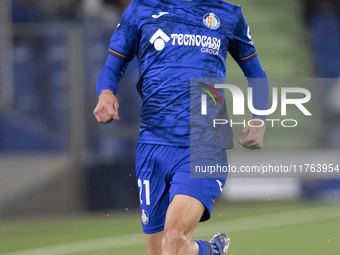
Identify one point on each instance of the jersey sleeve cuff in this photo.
(263, 117)
(248, 57)
(119, 55)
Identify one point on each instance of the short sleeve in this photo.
(124, 41)
(241, 47)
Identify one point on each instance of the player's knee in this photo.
(174, 237)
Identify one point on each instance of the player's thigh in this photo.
(205, 190)
(153, 188)
(183, 215)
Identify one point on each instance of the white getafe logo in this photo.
(249, 36)
(159, 39)
(220, 184)
(159, 15)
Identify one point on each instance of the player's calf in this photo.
(176, 241)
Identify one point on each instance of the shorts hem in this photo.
(153, 230)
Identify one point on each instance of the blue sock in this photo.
(204, 247)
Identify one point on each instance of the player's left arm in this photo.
(252, 136)
(244, 52)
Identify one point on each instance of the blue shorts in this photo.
(164, 171)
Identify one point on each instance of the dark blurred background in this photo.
(55, 158)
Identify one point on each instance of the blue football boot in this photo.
(221, 243)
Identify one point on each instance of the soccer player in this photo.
(175, 40)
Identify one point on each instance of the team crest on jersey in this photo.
(145, 217)
(211, 21)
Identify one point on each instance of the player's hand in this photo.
(252, 137)
(107, 107)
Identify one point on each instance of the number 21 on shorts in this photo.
(147, 191)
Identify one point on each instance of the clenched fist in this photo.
(107, 107)
(252, 137)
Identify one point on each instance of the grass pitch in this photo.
(254, 228)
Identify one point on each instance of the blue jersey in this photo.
(175, 40)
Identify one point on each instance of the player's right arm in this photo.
(107, 107)
(122, 49)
